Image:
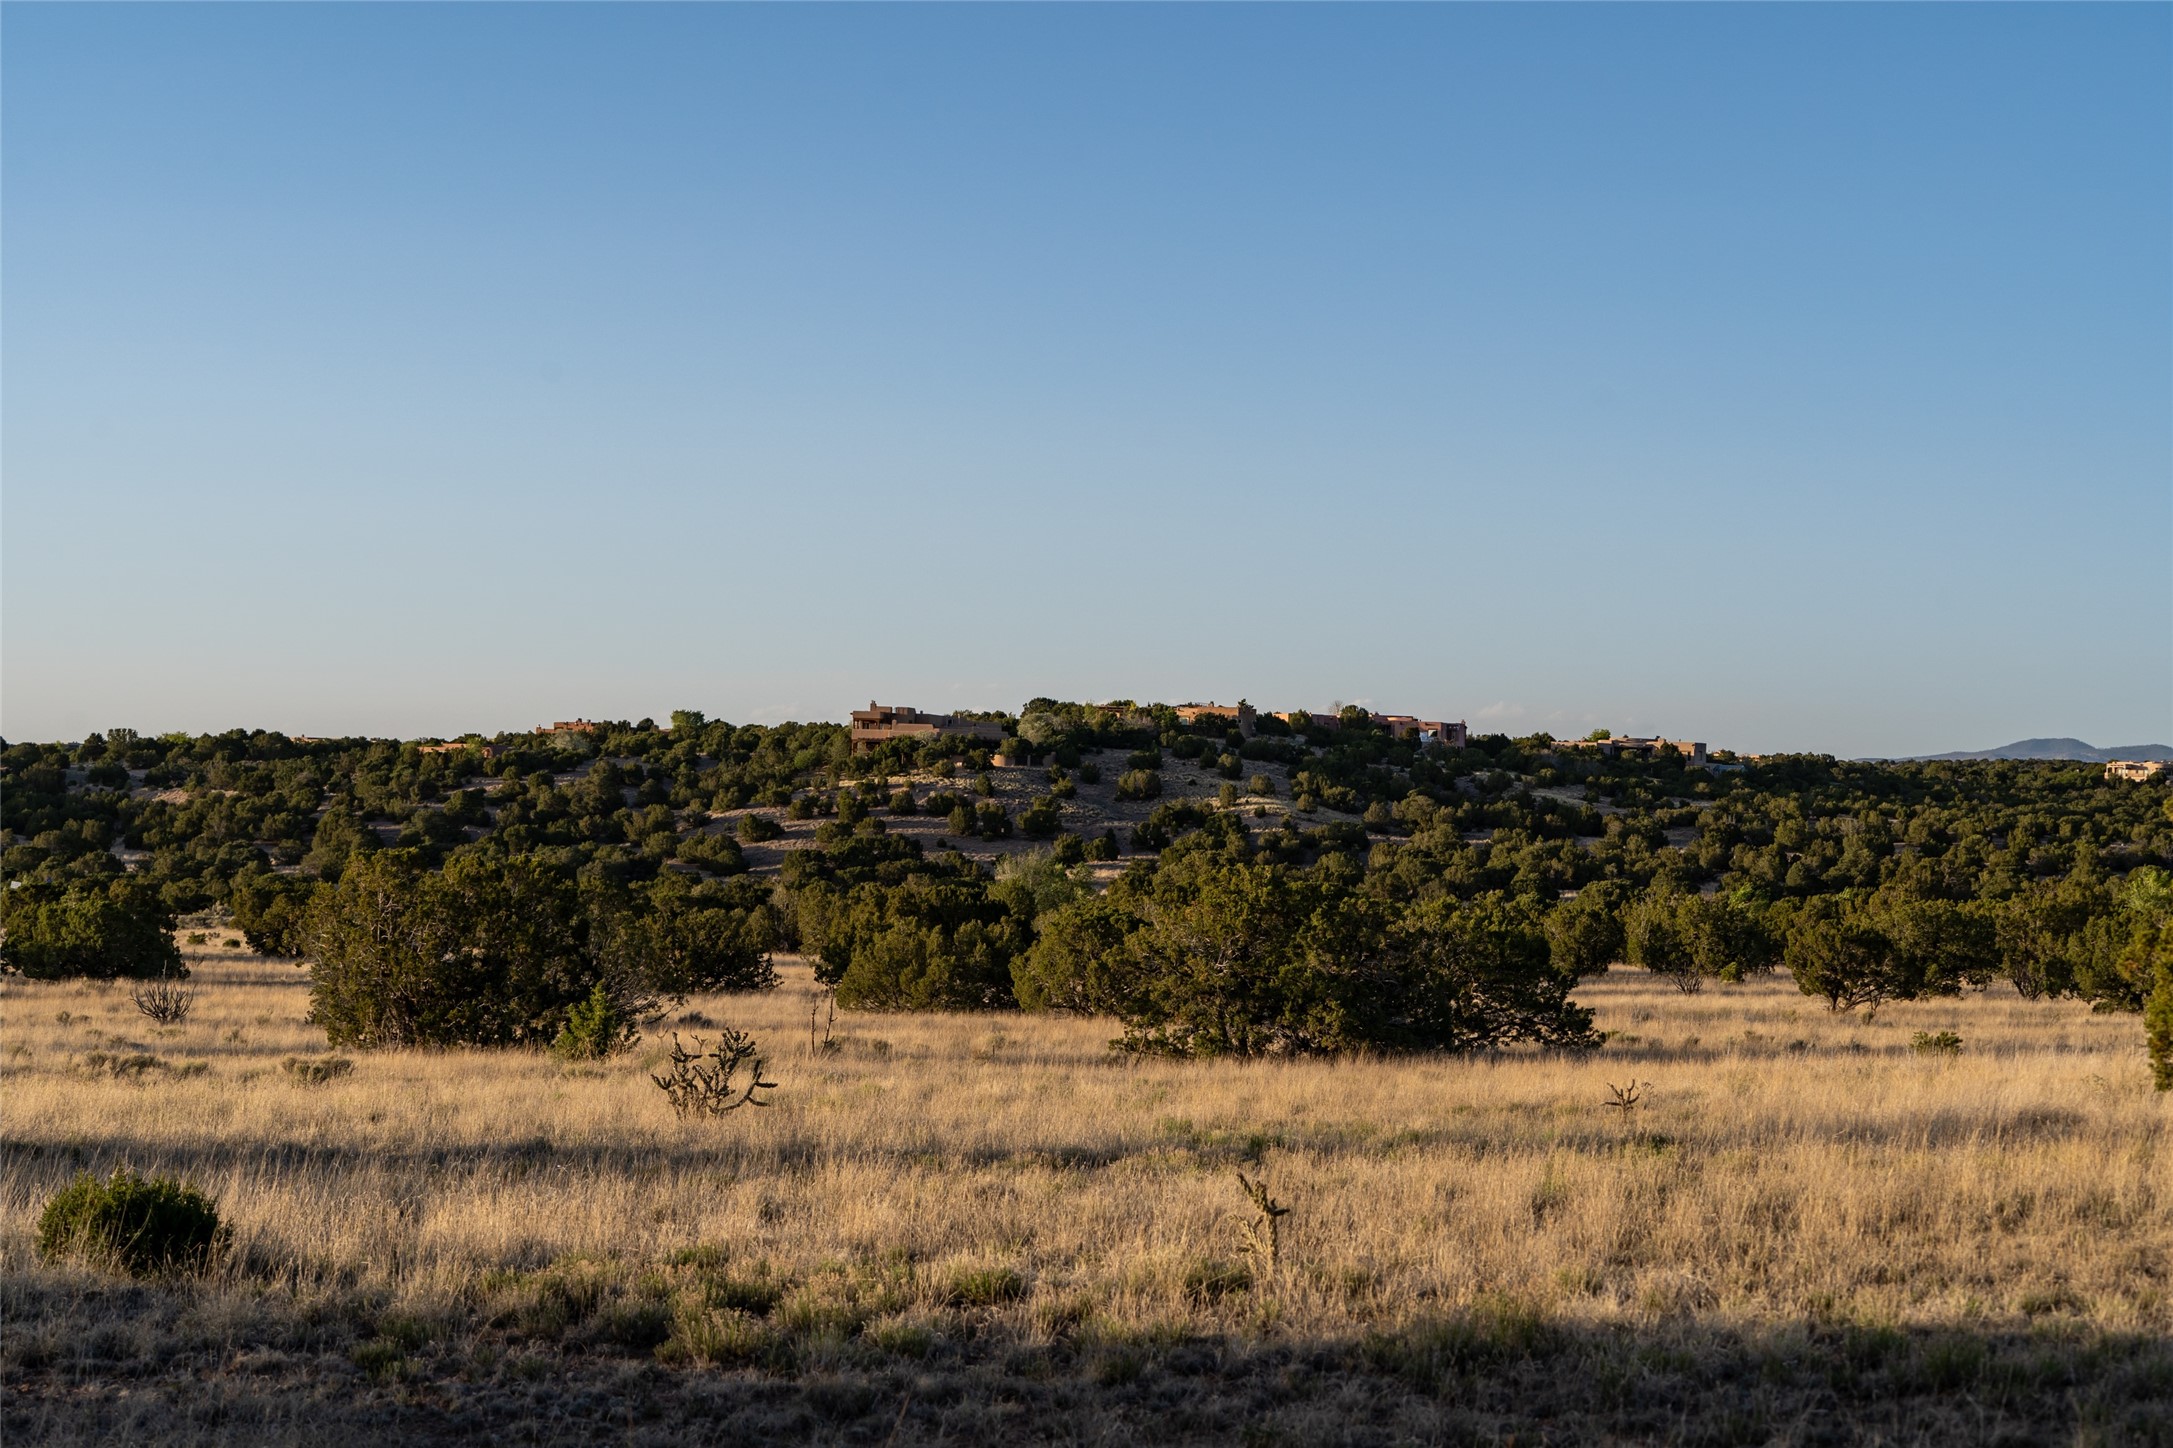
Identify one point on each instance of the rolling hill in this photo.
(2060, 749)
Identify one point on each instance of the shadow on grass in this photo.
(748, 1151)
(88, 1360)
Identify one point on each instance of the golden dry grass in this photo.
(1009, 1177)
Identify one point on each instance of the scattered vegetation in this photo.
(1029, 1242)
(481, 897)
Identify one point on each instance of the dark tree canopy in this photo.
(120, 930)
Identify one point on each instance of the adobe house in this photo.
(878, 724)
(1399, 726)
(1240, 714)
(1303, 719)
(1452, 735)
(2137, 771)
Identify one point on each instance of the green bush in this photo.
(1139, 784)
(594, 1029)
(1041, 819)
(992, 820)
(718, 854)
(755, 828)
(139, 1225)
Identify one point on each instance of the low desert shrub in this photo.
(595, 1029)
(315, 1070)
(755, 828)
(1041, 819)
(983, 1287)
(718, 854)
(133, 1066)
(1936, 1043)
(1213, 1279)
(143, 1226)
(992, 820)
(1139, 784)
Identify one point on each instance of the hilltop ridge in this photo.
(2062, 748)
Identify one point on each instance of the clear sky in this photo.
(1784, 377)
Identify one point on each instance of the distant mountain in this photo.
(2060, 749)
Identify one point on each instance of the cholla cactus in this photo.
(700, 1082)
(165, 1000)
(1264, 1234)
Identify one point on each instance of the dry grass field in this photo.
(991, 1228)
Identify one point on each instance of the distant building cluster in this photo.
(878, 724)
(2138, 771)
(1426, 731)
(1692, 750)
(481, 748)
(1451, 734)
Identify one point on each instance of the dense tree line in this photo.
(1438, 899)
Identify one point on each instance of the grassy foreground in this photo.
(955, 1228)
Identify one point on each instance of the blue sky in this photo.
(1786, 377)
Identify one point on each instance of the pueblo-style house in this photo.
(878, 724)
(1449, 733)
(1241, 714)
